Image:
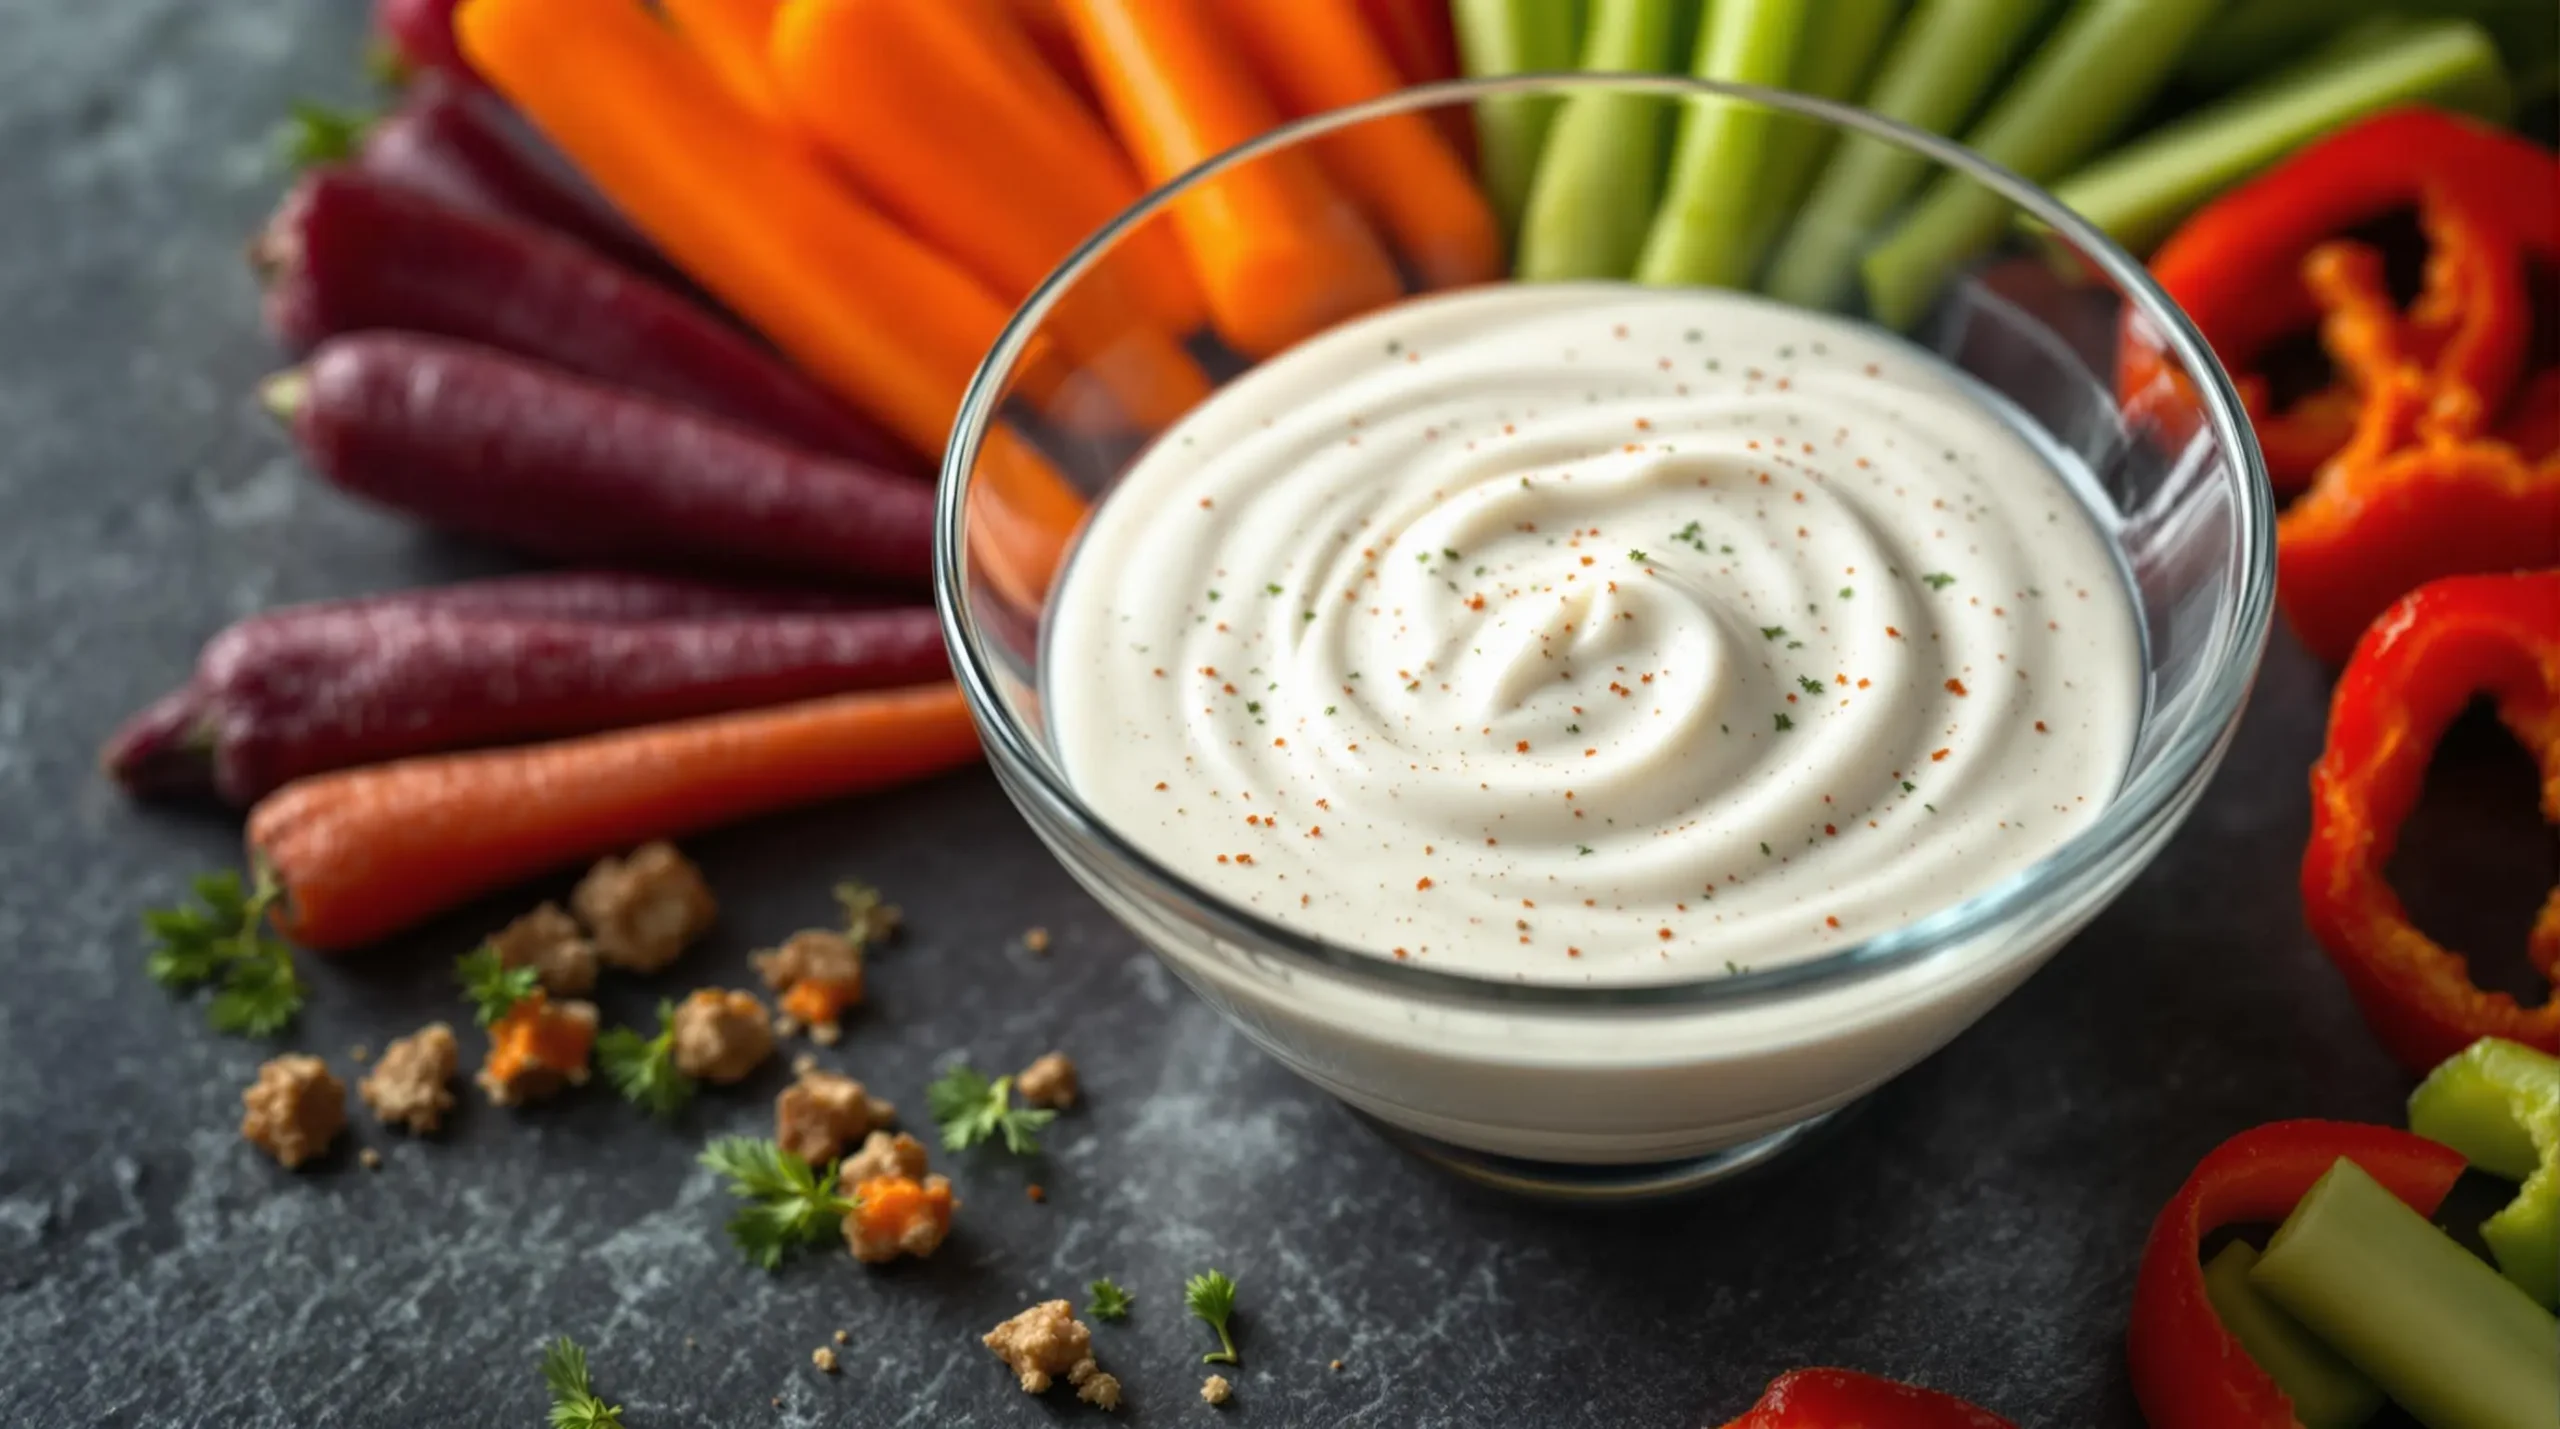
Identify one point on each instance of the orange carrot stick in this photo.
(1042, 23)
(1420, 39)
(1281, 254)
(945, 113)
(1318, 55)
(363, 853)
(733, 37)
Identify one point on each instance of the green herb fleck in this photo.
(1772, 632)
(1582, 850)
(1110, 1302)
(1910, 788)
(1638, 557)
(1784, 723)
(1764, 850)
(1937, 580)
(573, 1398)
(1212, 1297)
(490, 986)
(644, 1069)
(1808, 684)
(1273, 588)
(972, 1109)
(225, 941)
(1847, 594)
(789, 1203)
(1573, 729)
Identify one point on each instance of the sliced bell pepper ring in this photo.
(2498, 1104)
(1846, 1399)
(2489, 205)
(2416, 669)
(2189, 1372)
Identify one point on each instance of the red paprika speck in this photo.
(1831, 922)
(1830, 831)
(1315, 831)
(1244, 858)
(1159, 784)
(1663, 933)
(1475, 602)
(1521, 748)
(1642, 425)
(1890, 631)
(1937, 755)
(1222, 858)
(1230, 689)
(1955, 687)
(1862, 684)
(1279, 744)
(1588, 753)
(1422, 885)
(1573, 952)
(1327, 803)
(1204, 503)
(2040, 729)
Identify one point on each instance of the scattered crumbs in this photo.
(1035, 941)
(369, 1159)
(824, 1358)
(1035, 1193)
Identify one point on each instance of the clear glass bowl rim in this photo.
(2156, 788)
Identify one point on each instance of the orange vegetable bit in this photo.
(1046, 27)
(1022, 518)
(898, 1215)
(1421, 41)
(733, 37)
(885, 321)
(537, 1047)
(1281, 253)
(945, 113)
(363, 853)
(1316, 55)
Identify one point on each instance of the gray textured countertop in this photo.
(1974, 1226)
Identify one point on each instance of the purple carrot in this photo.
(313, 688)
(456, 146)
(348, 251)
(419, 35)
(598, 595)
(475, 441)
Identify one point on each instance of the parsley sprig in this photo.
(644, 1069)
(490, 986)
(788, 1203)
(225, 941)
(971, 1109)
(1212, 1297)
(573, 1398)
(1110, 1302)
(869, 919)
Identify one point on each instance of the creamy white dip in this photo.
(1594, 634)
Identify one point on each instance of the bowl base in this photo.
(1585, 1183)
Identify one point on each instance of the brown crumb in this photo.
(817, 1117)
(824, 1359)
(1041, 1344)
(897, 1215)
(1049, 1081)
(843, 1338)
(294, 1110)
(1215, 1389)
(646, 909)
(1100, 1390)
(369, 1159)
(359, 1052)
(548, 940)
(409, 1086)
(884, 1155)
(786, 1025)
(539, 1047)
(827, 1034)
(721, 1036)
(1036, 942)
(1337, 1366)
(1038, 1193)
(803, 1064)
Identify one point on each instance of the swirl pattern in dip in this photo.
(1585, 633)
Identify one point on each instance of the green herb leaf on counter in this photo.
(644, 1069)
(1212, 1297)
(1110, 1302)
(1784, 723)
(315, 134)
(972, 1109)
(1808, 684)
(573, 1398)
(224, 942)
(789, 1204)
(490, 986)
(1773, 632)
(1937, 580)
(869, 919)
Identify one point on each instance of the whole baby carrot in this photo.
(305, 690)
(348, 252)
(1421, 41)
(1280, 252)
(1319, 54)
(364, 853)
(735, 37)
(946, 115)
(476, 441)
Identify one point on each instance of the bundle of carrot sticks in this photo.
(702, 370)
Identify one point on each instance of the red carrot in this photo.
(456, 146)
(310, 689)
(348, 252)
(363, 853)
(476, 441)
(600, 595)
(419, 35)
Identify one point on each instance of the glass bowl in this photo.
(1607, 1091)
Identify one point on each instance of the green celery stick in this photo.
(1841, 54)
(1497, 37)
(2430, 1322)
(2138, 193)
(2096, 72)
(2498, 1103)
(1703, 233)
(2326, 1391)
(1593, 195)
(2254, 38)
(1934, 74)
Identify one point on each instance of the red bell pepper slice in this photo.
(2188, 1371)
(1846, 1399)
(2489, 204)
(2417, 668)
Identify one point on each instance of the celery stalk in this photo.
(1837, 61)
(2139, 192)
(2252, 37)
(1498, 37)
(2444, 1336)
(1601, 171)
(2326, 1391)
(1940, 64)
(2498, 1103)
(1703, 233)
(2086, 82)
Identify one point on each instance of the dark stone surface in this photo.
(1974, 1226)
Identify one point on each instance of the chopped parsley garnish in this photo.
(1110, 1302)
(1448, 554)
(1772, 632)
(1638, 557)
(1847, 594)
(644, 1069)
(1273, 589)
(1253, 707)
(1910, 788)
(490, 986)
(971, 1109)
(1784, 723)
(1328, 709)
(1808, 684)
(1213, 595)
(573, 1398)
(1937, 580)
(1573, 729)
(1212, 1297)
(1582, 850)
(225, 941)
(1764, 849)
(789, 1204)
